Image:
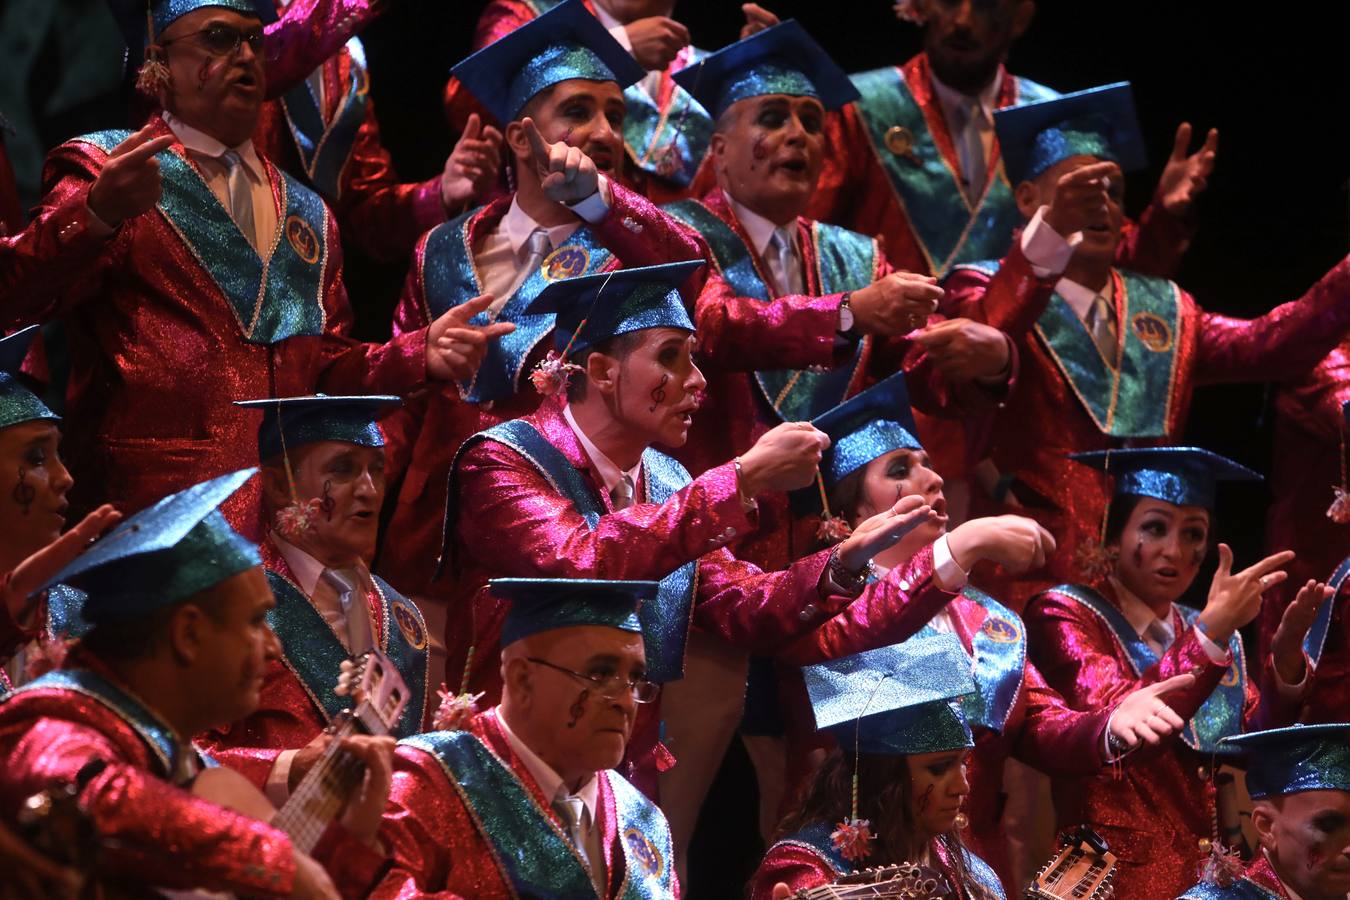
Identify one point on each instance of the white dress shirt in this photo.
(205, 151)
(501, 259)
(551, 786)
(954, 103)
(761, 232)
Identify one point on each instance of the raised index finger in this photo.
(1269, 564)
(139, 154)
(538, 146)
(1182, 142)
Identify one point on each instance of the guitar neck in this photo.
(321, 794)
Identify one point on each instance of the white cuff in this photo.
(1107, 756)
(1217, 655)
(1048, 251)
(620, 34)
(950, 575)
(278, 787)
(97, 226)
(593, 208)
(1291, 692)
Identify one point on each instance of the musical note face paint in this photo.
(939, 785)
(32, 505)
(347, 483)
(658, 388)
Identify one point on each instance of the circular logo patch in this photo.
(1152, 332)
(1230, 677)
(1000, 630)
(409, 623)
(565, 262)
(899, 140)
(644, 852)
(302, 238)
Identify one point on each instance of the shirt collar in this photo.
(1079, 297)
(550, 782)
(306, 569)
(609, 471)
(517, 226)
(1137, 612)
(953, 101)
(202, 143)
(759, 229)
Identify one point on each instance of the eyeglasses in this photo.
(609, 686)
(223, 40)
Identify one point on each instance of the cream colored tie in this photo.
(788, 272)
(347, 584)
(537, 246)
(971, 147)
(573, 813)
(622, 494)
(1101, 324)
(241, 195)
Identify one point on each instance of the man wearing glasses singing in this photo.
(210, 274)
(524, 802)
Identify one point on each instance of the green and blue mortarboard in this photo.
(563, 44)
(290, 422)
(1182, 476)
(865, 426)
(1098, 122)
(1297, 758)
(783, 59)
(896, 700)
(136, 17)
(17, 403)
(163, 554)
(593, 308)
(545, 604)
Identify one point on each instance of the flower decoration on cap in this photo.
(455, 710)
(907, 11)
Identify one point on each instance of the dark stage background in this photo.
(1273, 220)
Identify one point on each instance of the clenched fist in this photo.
(784, 459)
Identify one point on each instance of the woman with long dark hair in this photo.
(890, 793)
(1095, 642)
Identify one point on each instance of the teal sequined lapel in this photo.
(670, 142)
(527, 845)
(1000, 651)
(1136, 400)
(272, 299)
(449, 278)
(846, 261)
(1316, 637)
(1220, 715)
(325, 147)
(947, 230)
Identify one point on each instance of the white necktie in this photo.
(1157, 636)
(1101, 324)
(241, 194)
(970, 147)
(784, 265)
(347, 585)
(622, 495)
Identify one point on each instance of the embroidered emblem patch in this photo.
(899, 140)
(409, 623)
(1230, 676)
(644, 852)
(566, 262)
(302, 238)
(1000, 630)
(1152, 332)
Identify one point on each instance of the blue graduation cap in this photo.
(783, 59)
(137, 19)
(865, 426)
(17, 403)
(1297, 758)
(1099, 122)
(593, 308)
(895, 700)
(543, 604)
(290, 422)
(1183, 476)
(565, 43)
(163, 554)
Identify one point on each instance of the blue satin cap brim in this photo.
(764, 79)
(1170, 487)
(18, 404)
(554, 65)
(547, 604)
(1067, 140)
(351, 428)
(166, 12)
(136, 586)
(853, 451)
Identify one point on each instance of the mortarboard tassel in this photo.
(853, 837)
(1339, 511)
(832, 529)
(154, 74)
(298, 517)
